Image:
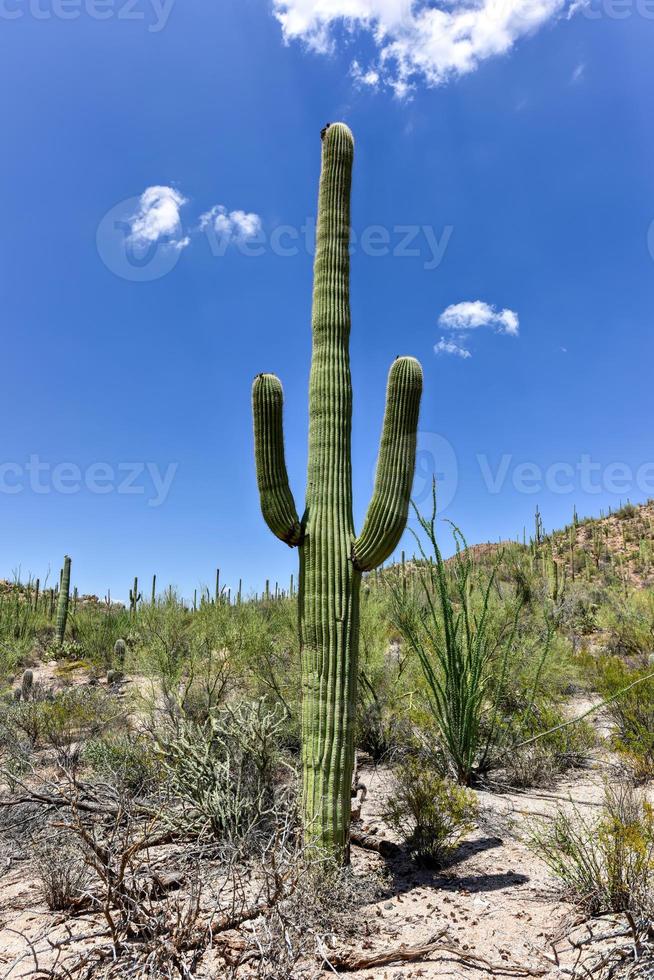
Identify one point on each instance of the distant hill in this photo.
(618, 545)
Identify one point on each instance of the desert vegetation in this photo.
(151, 767)
(437, 765)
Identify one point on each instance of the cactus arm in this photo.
(277, 504)
(389, 506)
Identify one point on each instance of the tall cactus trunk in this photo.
(62, 606)
(329, 583)
(332, 558)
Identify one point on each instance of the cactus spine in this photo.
(332, 557)
(62, 605)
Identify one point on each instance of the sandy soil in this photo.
(495, 899)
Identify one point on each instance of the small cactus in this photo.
(120, 650)
(26, 685)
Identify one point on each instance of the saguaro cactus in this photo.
(134, 598)
(62, 606)
(332, 557)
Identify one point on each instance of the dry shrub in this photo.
(607, 864)
(61, 870)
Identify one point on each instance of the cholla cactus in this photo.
(225, 770)
(332, 557)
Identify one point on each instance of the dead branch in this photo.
(350, 961)
(387, 848)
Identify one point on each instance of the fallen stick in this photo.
(371, 843)
(349, 961)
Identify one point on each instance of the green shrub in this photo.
(626, 512)
(69, 651)
(632, 712)
(629, 624)
(385, 679)
(542, 761)
(10, 657)
(162, 642)
(607, 864)
(95, 631)
(429, 812)
(61, 719)
(127, 761)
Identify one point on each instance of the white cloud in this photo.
(450, 347)
(578, 72)
(369, 78)
(471, 315)
(158, 218)
(415, 39)
(240, 226)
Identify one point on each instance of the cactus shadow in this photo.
(405, 875)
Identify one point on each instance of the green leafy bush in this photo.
(629, 624)
(631, 711)
(162, 642)
(57, 720)
(431, 813)
(127, 761)
(95, 631)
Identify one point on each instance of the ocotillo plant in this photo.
(62, 607)
(332, 557)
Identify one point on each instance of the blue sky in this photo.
(509, 150)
